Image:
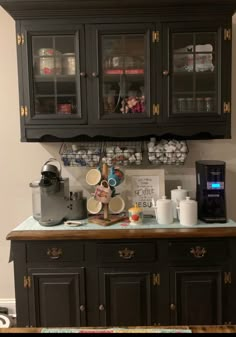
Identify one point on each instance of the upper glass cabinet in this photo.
(123, 77)
(193, 70)
(54, 77)
(122, 71)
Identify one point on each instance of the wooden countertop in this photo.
(122, 234)
(30, 229)
(194, 329)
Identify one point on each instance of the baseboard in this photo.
(9, 303)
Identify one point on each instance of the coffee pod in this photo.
(93, 177)
(94, 206)
(116, 205)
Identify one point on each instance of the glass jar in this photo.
(36, 200)
(208, 104)
(69, 64)
(189, 104)
(199, 104)
(181, 104)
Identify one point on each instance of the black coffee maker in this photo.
(211, 198)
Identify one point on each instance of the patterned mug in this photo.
(103, 192)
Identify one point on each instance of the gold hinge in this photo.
(27, 282)
(227, 278)
(156, 280)
(156, 109)
(155, 36)
(227, 34)
(23, 111)
(227, 108)
(20, 39)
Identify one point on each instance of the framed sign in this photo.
(143, 185)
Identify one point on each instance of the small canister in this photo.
(69, 64)
(188, 212)
(164, 211)
(135, 215)
(177, 195)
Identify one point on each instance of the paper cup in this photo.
(93, 206)
(93, 177)
(116, 205)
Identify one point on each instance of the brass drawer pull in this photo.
(126, 253)
(54, 253)
(198, 251)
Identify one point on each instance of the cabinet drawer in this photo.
(55, 251)
(126, 252)
(197, 251)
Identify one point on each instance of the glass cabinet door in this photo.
(193, 74)
(54, 76)
(123, 72)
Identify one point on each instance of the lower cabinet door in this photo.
(197, 296)
(57, 297)
(125, 297)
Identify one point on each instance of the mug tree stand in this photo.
(105, 219)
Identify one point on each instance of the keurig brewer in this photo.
(52, 200)
(210, 191)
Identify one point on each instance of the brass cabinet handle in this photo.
(172, 307)
(165, 72)
(83, 74)
(198, 251)
(101, 307)
(94, 74)
(54, 253)
(82, 308)
(126, 253)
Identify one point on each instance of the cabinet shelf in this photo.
(54, 78)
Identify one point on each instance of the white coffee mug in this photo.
(94, 206)
(116, 204)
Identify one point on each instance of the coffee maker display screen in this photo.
(219, 185)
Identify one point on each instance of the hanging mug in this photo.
(103, 192)
(116, 176)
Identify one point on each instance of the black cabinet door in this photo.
(127, 297)
(52, 64)
(121, 76)
(198, 296)
(196, 65)
(57, 297)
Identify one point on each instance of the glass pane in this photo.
(123, 80)
(54, 75)
(194, 72)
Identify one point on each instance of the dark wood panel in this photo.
(196, 296)
(127, 297)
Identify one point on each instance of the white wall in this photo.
(20, 163)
